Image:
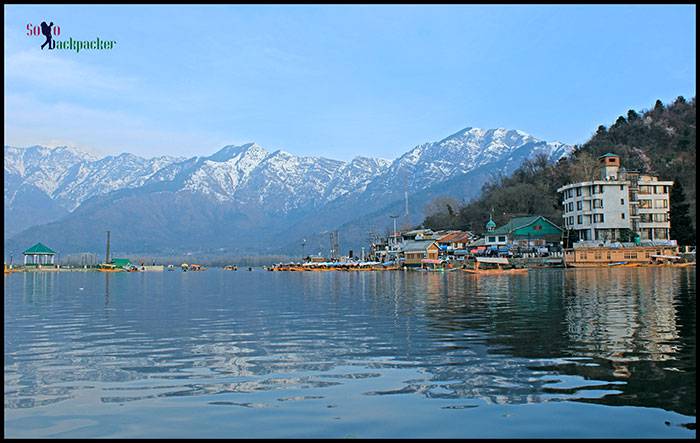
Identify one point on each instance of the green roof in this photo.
(517, 223)
(609, 154)
(120, 262)
(39, 249)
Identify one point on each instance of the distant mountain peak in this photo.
(231, 151)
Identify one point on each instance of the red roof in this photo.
(454, 237)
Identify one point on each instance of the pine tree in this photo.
(658, 106)
(681, 226)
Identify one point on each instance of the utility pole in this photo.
(394, 217)
(107, 256)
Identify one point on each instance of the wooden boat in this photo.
(496, 271)
(108, 267)
(499, 262)
(619, 263)
(231, 268)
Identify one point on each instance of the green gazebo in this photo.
(39, 254)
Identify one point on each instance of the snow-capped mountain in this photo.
(462, 152)
(70, 176)
(247, 187)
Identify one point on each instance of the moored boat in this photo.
(500, 262)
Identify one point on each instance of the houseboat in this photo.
(588, 257)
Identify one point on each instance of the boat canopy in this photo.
(495, 260)
(431, 261)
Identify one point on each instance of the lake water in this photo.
(553, 353)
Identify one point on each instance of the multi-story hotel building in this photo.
(601, 209)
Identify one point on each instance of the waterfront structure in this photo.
(121, 263)
(416, 250)
(454, 241)
(38, 255)
(418, 234)
(607, 256)
(530, 231)
(603, 210)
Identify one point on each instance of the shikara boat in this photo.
(500, 262)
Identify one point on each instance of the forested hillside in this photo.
(660, 141)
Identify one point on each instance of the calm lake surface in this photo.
(553, 353)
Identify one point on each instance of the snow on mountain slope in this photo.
(70, 176)
(222, 174)
(464, 151)
(267, 191)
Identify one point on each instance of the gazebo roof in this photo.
(39, 249)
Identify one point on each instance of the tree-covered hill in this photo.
(660, 141)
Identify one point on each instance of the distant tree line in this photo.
(659, 141)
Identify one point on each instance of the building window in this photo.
(579, 205)
(578, 192)
(622, 187)
(597, 203)
(622, 201)
(661, 204)
(502, 238)
(645, 204)
(492, 239)
(571, 220)
(660, 218)
(665, 189)
(622, 215)
(645, 189)
(598, 218)
(579, 219)
(600, 187)
(661, 233)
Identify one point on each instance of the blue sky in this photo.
(337, 81)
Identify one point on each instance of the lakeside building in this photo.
(121, 263)
(416, 251)
(455, 242)
(524, 232)
(38, 255)
(418, 234)
(621, 200)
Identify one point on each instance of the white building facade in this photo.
(600, 210)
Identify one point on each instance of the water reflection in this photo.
(613, 337)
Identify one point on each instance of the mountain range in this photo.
(243, 199)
